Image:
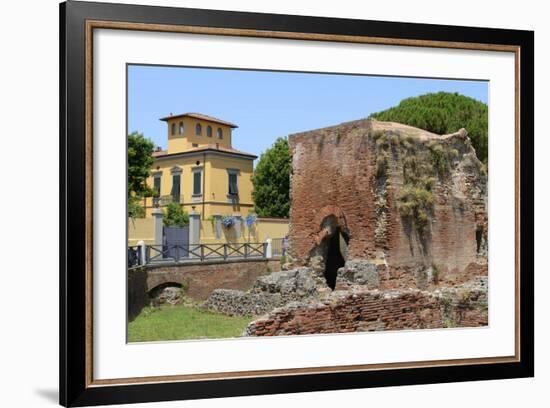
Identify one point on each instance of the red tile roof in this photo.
(201, 117)
(158, 153)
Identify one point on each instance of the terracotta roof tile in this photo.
(200, 116)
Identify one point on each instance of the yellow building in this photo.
(203, 173)
(201, 170)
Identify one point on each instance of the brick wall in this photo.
(137, 291)
(201, 278)
(334, 172)
(332, 175)
(373, 311)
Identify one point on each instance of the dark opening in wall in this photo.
(479, 237)
(334, 258)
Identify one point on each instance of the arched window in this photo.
(181, 128)
(209, 131)
(173, 128)
(198, 129)
(220, 133)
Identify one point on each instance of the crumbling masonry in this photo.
(408, 201)
(388, 230)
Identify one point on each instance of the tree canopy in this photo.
(140, 160)
(443, 113)
(271, 181)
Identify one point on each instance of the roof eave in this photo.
(229, 124)
(198, 152)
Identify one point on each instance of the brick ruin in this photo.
(388, 230)
(408, 201)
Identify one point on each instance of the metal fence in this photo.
(134, 256)
(195, 252)
(279, 246)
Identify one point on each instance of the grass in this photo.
(184, 323)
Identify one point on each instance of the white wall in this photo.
(29, 88)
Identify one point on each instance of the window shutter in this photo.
(176, 182)
(233, 190)
(156, 185)
(197, 183)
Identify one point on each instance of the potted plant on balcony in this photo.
(228, 221)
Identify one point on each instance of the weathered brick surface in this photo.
(334, 172)
(332, 175)
(373, 311)
(201, 279)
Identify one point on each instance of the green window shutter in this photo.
(156, 185)
(233, 190)
(197, 182)
(176, 182)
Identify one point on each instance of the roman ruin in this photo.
(388, 230)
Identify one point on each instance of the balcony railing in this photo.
(163, 200)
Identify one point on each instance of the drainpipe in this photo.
(203, 182)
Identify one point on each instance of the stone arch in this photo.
(166, 292)
(336, 212)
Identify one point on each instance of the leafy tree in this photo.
(135, 207)
(442, 113)
(271, 181)
(175, 216)
(140, 160)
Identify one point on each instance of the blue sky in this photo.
(266, 105)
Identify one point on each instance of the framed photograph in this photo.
(256, 204)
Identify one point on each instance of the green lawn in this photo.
(182, 323)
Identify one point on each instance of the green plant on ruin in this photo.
(442, 157)
(424, 162)
(439, 158)
(381, 165)
(448, 323)
(463, 296)
(384, 142)
(377, 134)
(416, 204)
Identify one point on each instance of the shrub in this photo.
(175, 216)
(381, 165)
(416, 204)
(135, 209)
(439, 158)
